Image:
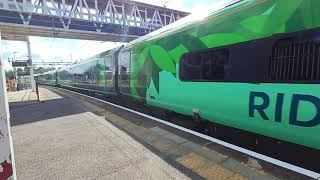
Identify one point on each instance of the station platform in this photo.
(67, 137)
(22, 97)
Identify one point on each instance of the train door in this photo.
(108, 73)
(115, 72)
(115, 69)
(124, 72)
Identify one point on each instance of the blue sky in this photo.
(55, 49)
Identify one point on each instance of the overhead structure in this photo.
(103, 20)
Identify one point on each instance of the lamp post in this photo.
(15, 69)
(33, 84)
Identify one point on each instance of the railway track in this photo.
(289, 156)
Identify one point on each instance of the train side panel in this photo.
(48, 78)
(242, 88)
(97, 74)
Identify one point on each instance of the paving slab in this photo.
(242, 168)
(205, 168)
(61, 139)
(27, 96)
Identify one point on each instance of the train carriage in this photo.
(252, 65)
(47, 78)
(95, 74)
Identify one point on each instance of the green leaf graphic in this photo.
(192, 43)
(216, 40)
(138, 61)
(169, 43)
(155, 76)
(280, 15)
(255, 24)
(162, 59)
(177, 52)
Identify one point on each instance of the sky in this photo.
(182, 5)
(70, 50)
(53, 49)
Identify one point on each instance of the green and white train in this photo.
(253, 65)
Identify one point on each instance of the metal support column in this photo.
(33, 84)
(6, 147)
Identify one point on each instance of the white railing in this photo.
(124, 13)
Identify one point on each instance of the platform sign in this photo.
(19, 63)
(7, 170)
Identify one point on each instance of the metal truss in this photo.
(121, 17)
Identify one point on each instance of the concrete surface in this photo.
(25, 97)
(60, 139)
(73, 137)
(21, 96)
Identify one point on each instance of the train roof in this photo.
(93, 58)
(45, 73)
(190, 21)
(110, 51)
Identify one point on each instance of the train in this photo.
(252, 65)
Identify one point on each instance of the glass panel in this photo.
(204, 66)
(124, 72)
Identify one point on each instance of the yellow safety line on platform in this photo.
(206, 168)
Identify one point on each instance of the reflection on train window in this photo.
(124, 72)
(124, 65)
(204, 66)
(108, 67)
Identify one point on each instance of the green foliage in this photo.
(9, 74)
(41, 70)
(20, 71)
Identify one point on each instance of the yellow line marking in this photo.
(206, 168)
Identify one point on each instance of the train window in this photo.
(295, 59)
(204, 66)
(124, 65)
(124, 72)
(108, 67)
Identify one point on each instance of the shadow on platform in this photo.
(39, 111)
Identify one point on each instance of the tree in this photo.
(26, 70)
(9, 74)
(20, 71)
(41, 70)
